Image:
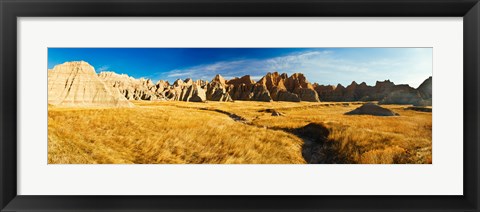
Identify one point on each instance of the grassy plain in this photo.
(233, 133)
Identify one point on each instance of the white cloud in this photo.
(252, 67)
(102, 68)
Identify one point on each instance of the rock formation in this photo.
(385, 92)
(298, 84)
(180, 90)
(372, 109)
(425, 90)
(241, 88)
(403, 95)
(274, 87)
(133, 89)
(145, 89)
(277, 113)
(75, 84)
(325, 92)
(271, 87)
(217, 90)
(187, 90)
(198, 94)
(284, 95)
(260, 93)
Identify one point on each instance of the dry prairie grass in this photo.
(179, 132)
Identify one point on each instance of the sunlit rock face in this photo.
(273, 87)
(134, 89)
(75, 84)
(298, 84)
(145, 89)
(217, 90)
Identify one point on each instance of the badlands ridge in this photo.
(76, 84)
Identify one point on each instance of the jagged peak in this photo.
(107, 73)
(248, 77)
(296, 75)
(75, 66)
(219, 78)
(426, 82)
(79, 62)
(385, 82)
(161, 82)
(178, 82)
(247, 80)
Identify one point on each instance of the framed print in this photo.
(225, 105)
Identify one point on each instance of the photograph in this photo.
(368, 105)
(225, 105)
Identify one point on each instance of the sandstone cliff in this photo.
(75, 84)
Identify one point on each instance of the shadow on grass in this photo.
(317, 148)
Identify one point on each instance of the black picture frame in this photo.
(11, 9)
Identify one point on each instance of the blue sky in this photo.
(323, 65)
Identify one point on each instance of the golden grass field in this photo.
(197, 133)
